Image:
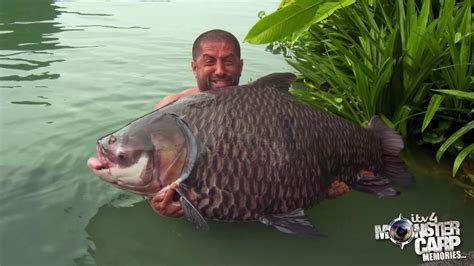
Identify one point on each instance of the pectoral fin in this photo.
(190, 212)
(377, 185)
(294, 222)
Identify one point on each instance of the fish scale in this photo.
(282, 153)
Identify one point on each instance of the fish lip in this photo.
(100, 156)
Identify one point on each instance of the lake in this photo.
(73, 71)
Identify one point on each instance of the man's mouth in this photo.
(220, 83)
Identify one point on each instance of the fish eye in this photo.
(112, 139)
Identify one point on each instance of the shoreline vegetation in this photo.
(410, 62)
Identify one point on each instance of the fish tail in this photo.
(392, 144)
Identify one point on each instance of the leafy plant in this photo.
(292, 18)
(408, 61)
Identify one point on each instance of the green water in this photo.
(72, 71)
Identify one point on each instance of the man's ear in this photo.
(194, 67)
(241, 65)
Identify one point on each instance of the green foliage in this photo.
(408, 61)
(461, 156)
(460, 94)
(453, 138)
(433, 106)
(292, 18)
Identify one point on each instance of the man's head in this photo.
(216, 60)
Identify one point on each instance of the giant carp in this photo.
(249, 153)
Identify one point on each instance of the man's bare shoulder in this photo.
(173, 97)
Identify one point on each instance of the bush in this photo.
(408, 61)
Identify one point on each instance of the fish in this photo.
(250, 153)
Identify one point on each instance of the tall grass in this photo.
(408, 61)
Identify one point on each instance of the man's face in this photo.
(217, 66)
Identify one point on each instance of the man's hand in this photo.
(336, 189)
(163, 204)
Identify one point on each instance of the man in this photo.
(216, 65)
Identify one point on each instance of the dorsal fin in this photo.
(280, 81)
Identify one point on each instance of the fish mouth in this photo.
(101, 165)
(109, 172)
(100, 162)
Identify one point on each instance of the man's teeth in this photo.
(220, 82)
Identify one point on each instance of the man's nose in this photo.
(220, 69)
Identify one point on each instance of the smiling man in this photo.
(216, 64)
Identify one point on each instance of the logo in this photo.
(433, 240)
(401, 231)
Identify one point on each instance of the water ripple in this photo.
(31, 103)
(42, 76)
(63, 10)
(112, 27)
(32, 64)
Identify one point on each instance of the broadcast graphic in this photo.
(433, 240)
